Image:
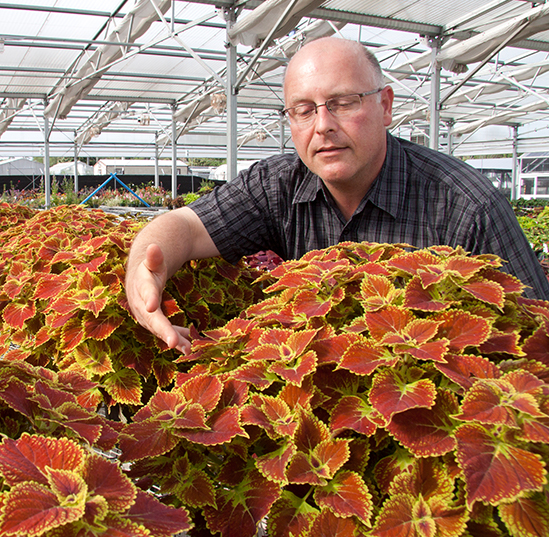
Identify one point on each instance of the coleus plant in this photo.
(378, 390)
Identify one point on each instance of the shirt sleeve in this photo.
(498, 231)
(240, 214)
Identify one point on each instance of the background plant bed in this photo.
(364, 389)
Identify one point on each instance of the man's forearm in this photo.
(179, 234)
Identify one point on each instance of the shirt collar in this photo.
(387, 192)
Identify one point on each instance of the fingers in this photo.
(144, 291)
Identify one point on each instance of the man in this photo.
(349, 181)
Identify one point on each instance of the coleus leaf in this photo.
(494, 468)
(377, 291)
(17, 312)
(27, 458)
(101, 326)
(196, 490)
(223, 426)
(346, 495)
(320, 464)
(273, 465)
(327, 524)
(427, 431)
(425, 477)
(93, 357)
(105, 479)
(391, 393)
(239, 510)
(204, 390)
(526, 517)
(462, 329)
(418, 298)
(352, 412)
(363, 357)
(294, 372)
(465, 369)
(32, 509)
(404, 514)
(270, 413)
(501, 401)
(487, 291)
(161, 520)
(124, 386)
(290, 516)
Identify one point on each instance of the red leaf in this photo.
(124, 386)
(390, 321)
(462, 329)
(105, 479)
(145, 439)
(320, 464)
(363, 358)
(101, 326)
(346, 495)
(391, 393)
(273, 465)
(27, 458)
(465, 369)
(527, 517)
(426, 432)
(351, 412)
(377, 291)
(240, 510)
(495, 471)
(16, 313)
(487, 291)
(294, 373)
(290, 516)
(223, 426)
(204, 390)
(160, 519)
(418, 298)
(327, 524)
(32, 509)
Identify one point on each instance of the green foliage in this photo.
(363, 390)
(536, 228)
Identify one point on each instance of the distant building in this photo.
(498, 170)
(220, 173)
(67, 168)
(21, 166)
(534, 175)
(138, 167)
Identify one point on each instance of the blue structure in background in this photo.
(116, 180)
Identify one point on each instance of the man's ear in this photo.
(387, 97)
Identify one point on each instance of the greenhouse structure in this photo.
(154, 79)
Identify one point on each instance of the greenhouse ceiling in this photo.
(125, 77)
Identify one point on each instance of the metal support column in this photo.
(434, 102)
(47, 178)
(282, 134)
(514, 177)
(450, 147)
(75, 164)
(232, 149)
(156, 173)
(174, 153)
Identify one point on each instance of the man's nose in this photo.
(324, 119)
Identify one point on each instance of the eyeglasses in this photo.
(342, 106)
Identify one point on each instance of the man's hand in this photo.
(144, 291)
(158, 251)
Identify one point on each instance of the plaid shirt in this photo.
(420, 197)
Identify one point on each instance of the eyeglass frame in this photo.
(316, 106)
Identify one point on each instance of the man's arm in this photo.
(157, 253)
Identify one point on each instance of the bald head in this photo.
(350, 51)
